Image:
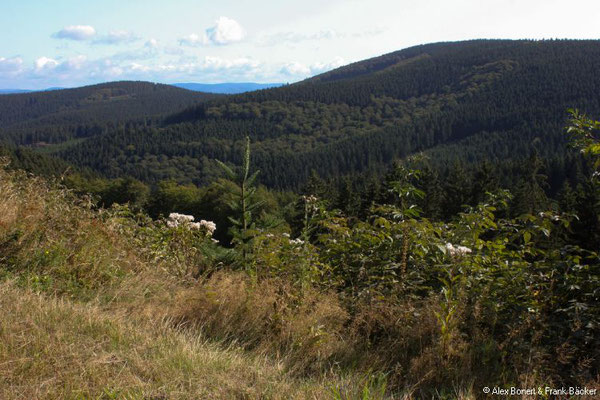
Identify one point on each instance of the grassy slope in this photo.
(84, 316)
(57, 349)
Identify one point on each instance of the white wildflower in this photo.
(287, 235)
(181, 218)
(176, 219)
(209, 225)
(297, 241)
(457, 250)
(310, 199)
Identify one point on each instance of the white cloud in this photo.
(45, 64)
(117, 37)
(11, 66)
(296, 69)
(139, 67)
(74, 63)
(295, 37)
(76, 32)
(194, 40)
(217, 63)
(225, 31)
(207, 69)
(319, 67)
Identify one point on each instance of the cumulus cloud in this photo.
(11, 66)
(296, 69)
(117, 37)
(225, 31)
(76, 32)
(49, 67)
(217, 63)
(319, 67)
(45, 64)
(194, 40)
(207, 69)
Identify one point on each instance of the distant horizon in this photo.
(67, 43)
(217, 88)
(280, 83)
(138, 80)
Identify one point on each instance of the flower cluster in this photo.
(458, 250)
(311, 202)
(175, 220)
(208, 225)
(310, 199)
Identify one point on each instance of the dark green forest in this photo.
(456, 103)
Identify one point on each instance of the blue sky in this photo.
(76, 42)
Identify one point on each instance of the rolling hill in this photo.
(496, 100)
(56, 116)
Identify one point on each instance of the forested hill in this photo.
(55, 116)
(495, 100)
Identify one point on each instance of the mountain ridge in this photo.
(362, 117)
(219, 88)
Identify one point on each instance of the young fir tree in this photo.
(244, 204)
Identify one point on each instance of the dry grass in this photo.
(55, 349)
(55, 241)
(304, 328)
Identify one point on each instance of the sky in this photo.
(68, 43)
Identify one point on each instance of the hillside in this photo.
(58, 116)
(494, 100)
(364, 116)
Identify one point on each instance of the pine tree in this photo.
(530, 195)
(457, 189)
